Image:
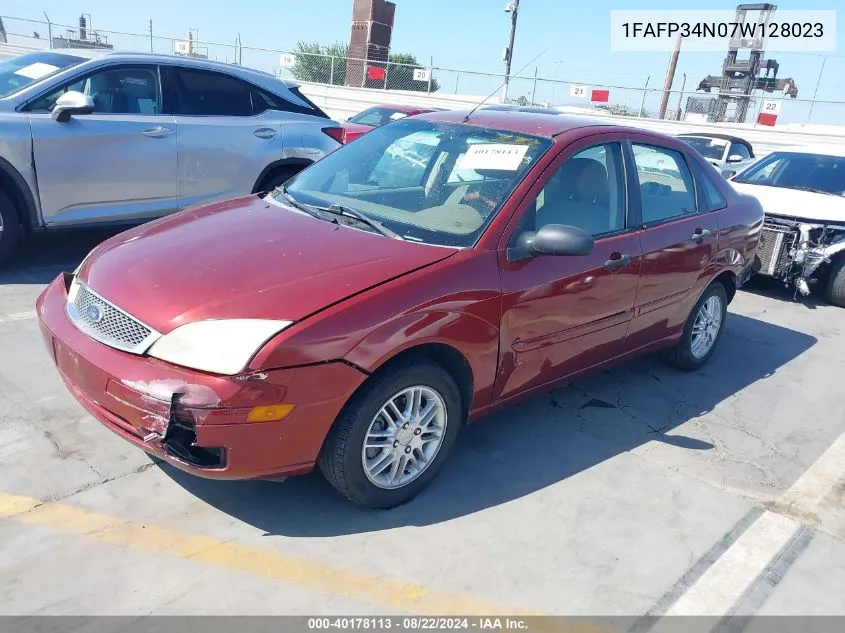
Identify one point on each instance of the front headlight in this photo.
(221, 347)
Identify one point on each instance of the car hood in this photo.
(244, 258)
(803, 205)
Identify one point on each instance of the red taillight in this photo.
(337, 133)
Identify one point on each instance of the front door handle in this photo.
(617, 261)
(265, 132)
(157, 132)
(700, 235)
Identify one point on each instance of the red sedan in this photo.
(437, 269)
(377, 116)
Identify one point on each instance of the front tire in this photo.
(10, 227)
(393, 436)
(836, 283)
(702, 331)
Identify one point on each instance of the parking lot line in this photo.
(394, 594)
(766, 541)
(18, 316)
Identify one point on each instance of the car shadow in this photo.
(42, 256)
(531, 445)
(775, 289)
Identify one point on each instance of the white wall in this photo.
(341, 102)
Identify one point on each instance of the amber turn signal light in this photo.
(270, 413)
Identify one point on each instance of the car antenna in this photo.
(501, 85)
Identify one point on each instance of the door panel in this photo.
(226, 136)
(561, 315)
(678, 242)
(564, 314)
(117, 163)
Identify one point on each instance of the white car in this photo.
(729, 154)
(802, 190)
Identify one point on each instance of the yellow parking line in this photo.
(394, 594)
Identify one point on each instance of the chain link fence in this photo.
(645, 101)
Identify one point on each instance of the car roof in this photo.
(824, 150)
(550, 123)
(724, 137)
(159, 58)
(407, 108)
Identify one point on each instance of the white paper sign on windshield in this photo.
(36, 70)
(493, 156)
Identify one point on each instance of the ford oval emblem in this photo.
(94, 313)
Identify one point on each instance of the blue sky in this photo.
(462, 34)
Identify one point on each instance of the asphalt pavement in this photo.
(639, 490)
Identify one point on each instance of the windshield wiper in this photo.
(812, 190)
(348, 212)
(316, 212)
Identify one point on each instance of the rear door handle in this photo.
(157, 132)
(617, 261)
(700, 235)
(265, 132)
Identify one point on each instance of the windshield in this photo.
(438, 183)
(19, 72)
(375, 117)
(794, 170)
(713, 148)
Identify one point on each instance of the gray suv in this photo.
(104, 137)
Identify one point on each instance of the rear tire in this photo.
(381, 462)
(10, 227)
(278, 178)
(702, 331)
(836, 283)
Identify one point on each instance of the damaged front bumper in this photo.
(794, 250)
(193, 420)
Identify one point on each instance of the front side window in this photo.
(121, 90)
(820, 173)
(19, 72)
(401, 175)
(738, 149)
(587, 191)
(666, 186)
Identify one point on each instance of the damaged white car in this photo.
(802, 243)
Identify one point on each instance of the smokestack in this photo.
(82, 31)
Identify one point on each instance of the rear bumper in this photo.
(193, 420)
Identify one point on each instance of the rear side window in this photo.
(208, 93)
(738, 149)
(709, 197)
(666, 185)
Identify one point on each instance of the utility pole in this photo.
(670, 78)
(151, 36)
(513, 9)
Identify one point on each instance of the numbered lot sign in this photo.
(421, 74)
(579, 91)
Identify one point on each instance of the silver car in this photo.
(90, 136)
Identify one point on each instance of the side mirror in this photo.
(71, 103)
(735, 158)
(553, 239)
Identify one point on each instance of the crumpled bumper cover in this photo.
(193, 420)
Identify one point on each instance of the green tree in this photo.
(321, 64)
(327, 64)
(400, 74)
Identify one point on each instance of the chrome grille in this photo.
(773, 248)
(108, 324)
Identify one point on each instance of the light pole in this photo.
(513, 9)
(816, 91)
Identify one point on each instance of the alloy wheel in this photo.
(404, 437)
